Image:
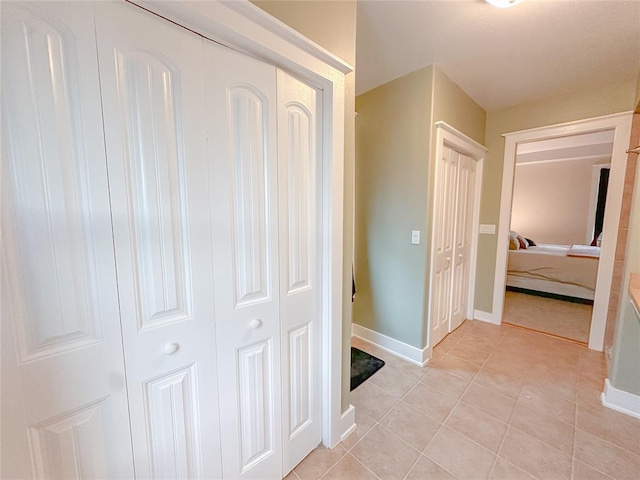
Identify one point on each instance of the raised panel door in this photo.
(462, 253)
(242, 155)
(64, 405)
(298, 191)
(153, 95)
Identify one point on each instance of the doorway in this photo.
(557, 212)
(620, 126)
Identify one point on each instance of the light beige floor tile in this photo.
(364, 423)
(413, 426)
(316, 464)
(427, 469)
(372, 401)
(292, 476)
(470, 353)
(349, 468)
(457, 366)
(459, 455)
(435, 404)
(412, 371)
(534, 456)
(490, 402)
(504, 470)
(478, 426)
(500, 381)
(543, 427)
(385, 454)
(582, 471)
(445, 383)
(548, 401)
(393, 381)
(606, 457)
(612, 426)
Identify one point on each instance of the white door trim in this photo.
(446, 135)
(244, 27)
(621, 124)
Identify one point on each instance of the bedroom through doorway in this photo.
(557, 216)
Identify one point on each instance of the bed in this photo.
(559, 269)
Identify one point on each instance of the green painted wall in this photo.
(392, 149)
(613, 98)
(394, 180)
(332, 24)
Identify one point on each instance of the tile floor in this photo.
(495, 402)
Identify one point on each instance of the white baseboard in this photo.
(620, 400)
(400, 349)
(486, 317)
(348, 422)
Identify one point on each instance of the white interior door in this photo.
(241, 101)
(299, 276)
(444, 226)
(462, 244)
(153, 95)
(64, 406)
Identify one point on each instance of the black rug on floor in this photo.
(363, 366)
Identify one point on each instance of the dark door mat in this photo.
(363, 366)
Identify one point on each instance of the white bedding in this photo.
(551, 263)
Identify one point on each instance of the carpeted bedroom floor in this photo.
(548, 315)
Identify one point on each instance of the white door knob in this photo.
(255, 323)
(170, 348)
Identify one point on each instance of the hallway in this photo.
(495, 402)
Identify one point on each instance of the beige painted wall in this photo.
(392, 149)
(551, 201)
(394, 132)
(332, 24)
(613, 98)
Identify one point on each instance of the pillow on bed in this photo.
(522, 241)
(514, 243)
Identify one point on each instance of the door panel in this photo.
(153, 90)
(299, 276)
(241, 99)
(64, 406)
(462, 255)
(444, 225)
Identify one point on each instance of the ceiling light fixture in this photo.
(504, 3)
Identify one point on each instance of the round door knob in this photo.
(255, 323)
(170, 348)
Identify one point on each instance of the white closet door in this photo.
(64, 406)
(462, 253)
(153, 95)
(241, 121)
(299, 276)
(444, 226)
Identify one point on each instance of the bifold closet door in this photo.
(444, 229)
(462, 245)
(153, 94)
(241, 101)
(263, 158)
(64, 405)
(298, 177)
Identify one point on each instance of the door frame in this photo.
(246, 28)
(620, 123)
(446, 135)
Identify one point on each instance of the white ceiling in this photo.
(500, 57)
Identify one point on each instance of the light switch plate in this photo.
(487, 229)
(415, 237)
